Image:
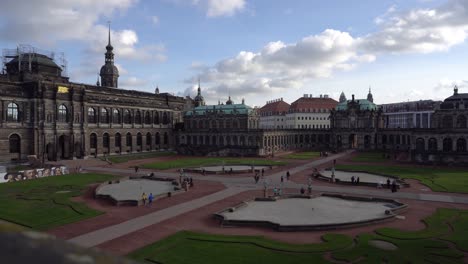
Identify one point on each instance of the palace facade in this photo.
(46, 115)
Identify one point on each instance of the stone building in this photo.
(273, 114)
(223, 129)
(47, 115)
(414, 114)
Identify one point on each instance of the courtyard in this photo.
(432, 228)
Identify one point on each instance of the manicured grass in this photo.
(128, 157)
(196, 162)
(45, 203)
(425, 246)
(440, 180)
(369, 157)
(188, 247)
(303, 155)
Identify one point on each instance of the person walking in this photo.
(282, 179)
(150, 199)
(143, 198)
(288, 175)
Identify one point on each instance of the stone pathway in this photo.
(105, 234)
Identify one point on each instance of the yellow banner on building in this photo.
(62, 89)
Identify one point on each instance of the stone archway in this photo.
(352, 141)
(63, 150)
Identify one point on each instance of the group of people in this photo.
(147, 199)
(355, 180)
(392, 185)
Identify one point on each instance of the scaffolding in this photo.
(30, 53)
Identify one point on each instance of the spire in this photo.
(199, 88)
(156, 91)
(370, 98)
(455, 90)
(342, 97)
(97, 82)
(109, 46)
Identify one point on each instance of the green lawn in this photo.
(369, 157)
(425, 246)
(128, 157)
(45, 203)
(303, 155)
(196, 162)
(440, 180)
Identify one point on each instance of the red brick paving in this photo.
(118, 214)
(201, 220)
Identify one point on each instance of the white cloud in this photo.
(216, 8)
(279, 67)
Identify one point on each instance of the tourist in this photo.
(263, 171)
(302, 190)
(275, 191)
(334, 162)
(230, 170)
(352, 179)
(287, 175)
(309, 189)
(150, 199)
(280, 192)
(357, 180)
(143, 198)
(388, 183)
(191, 182)
(203, 172)
(394, 186)
(282, 179)
(136, 169)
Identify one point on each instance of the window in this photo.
(104, 116)
(165, 118)
(127, 117)
(139, 139)
(105, 140)
(92, 115)
(12, 112)
(137, 117)
(147, 117)
(158, 139)
(118, 140)
(116, 116)
(62, 115)
(15, 143)
(166, 140)
(93, 140)
(128, 140)
(156, 117)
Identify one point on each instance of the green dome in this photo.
(363, 105)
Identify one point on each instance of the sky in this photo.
(259, 50)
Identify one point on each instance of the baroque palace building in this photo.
(46, 115)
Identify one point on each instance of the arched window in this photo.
(15, 143)
(116, 116)
(92, 115)
(104, 116)
(12, 112)
(138, 117)
(432, 145)
(62, 115)
(461, 145)
(127, 117)
(166, 139)
(147, 117)
(461, 121)
(93, 140)
(118, 140)
(165, 119)
(139, 139)
(447, 122)
(156, 117)
(148, 139)
(420, 145)
(158, 139)
(447, 144)
(128, 140)
(105, 140)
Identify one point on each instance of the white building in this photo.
(310, 112)
(273, 114)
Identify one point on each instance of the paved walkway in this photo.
(235, 185)
(102, 235)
